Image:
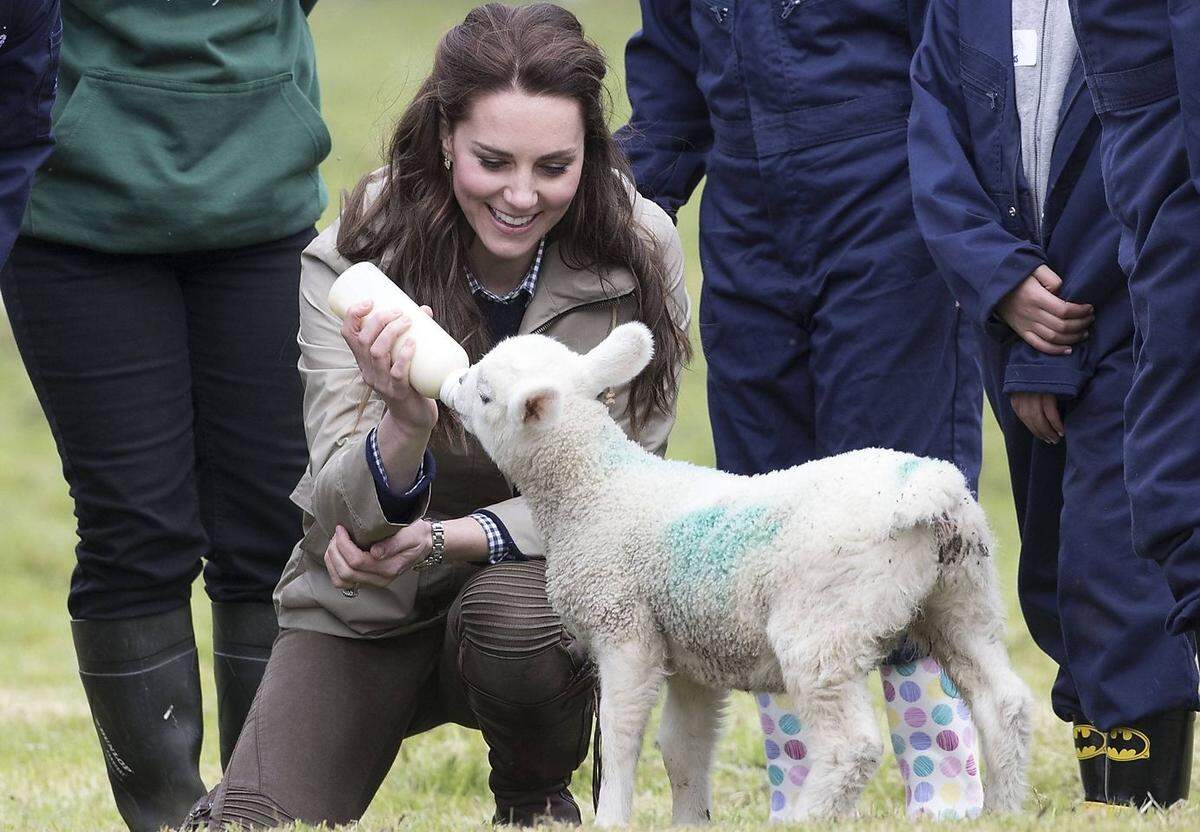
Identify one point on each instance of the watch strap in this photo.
(437, 532)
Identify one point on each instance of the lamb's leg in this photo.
(630, 676)
(687, 734)
(964, 626)
(846, 748)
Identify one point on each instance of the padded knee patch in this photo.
(512, 646)
(505, 612)
(239, 808)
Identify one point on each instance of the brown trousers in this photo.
(331, 712)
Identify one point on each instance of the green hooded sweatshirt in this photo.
(182, 125)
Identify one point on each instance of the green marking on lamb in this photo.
(706, 546)
(617, 451)
(907, 467)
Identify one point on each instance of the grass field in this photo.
(372, 54)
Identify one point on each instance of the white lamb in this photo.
(799, 580)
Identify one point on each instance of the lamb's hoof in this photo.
(607, 821)
(817, 810)
(702, 818)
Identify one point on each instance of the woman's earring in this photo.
(446, 162)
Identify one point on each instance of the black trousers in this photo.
(170, 385)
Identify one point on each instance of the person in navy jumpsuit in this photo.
(824, 322)
(1090, 603)
(30, 33)
(1142, 62)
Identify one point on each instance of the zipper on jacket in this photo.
(1014, 166)
(787, 7)
(1039, 213)
(721, 13)
(542, 327)
(982, 89)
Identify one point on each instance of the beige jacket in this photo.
(576, 307)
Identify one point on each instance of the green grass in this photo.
(372, 54)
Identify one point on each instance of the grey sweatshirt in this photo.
(1040, 86)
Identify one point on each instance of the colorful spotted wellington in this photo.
(932, 737)
(787, 753)
(934, 740)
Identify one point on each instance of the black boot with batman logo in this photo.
(1090, 750)
(1150, 763)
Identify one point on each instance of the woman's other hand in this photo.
(350, 567)
(1043, 320)
(1039, 413)
(372, 336)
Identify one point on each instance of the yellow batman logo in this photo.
(1089, 742)
(1126, 744)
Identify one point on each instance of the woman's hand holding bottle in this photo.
(372, 335)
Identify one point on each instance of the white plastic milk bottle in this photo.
(437, 355)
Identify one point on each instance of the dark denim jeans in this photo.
(171, 388)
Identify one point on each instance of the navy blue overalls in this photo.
(30, 32)
(1091, 604)
(1142, 59)
(824, 322)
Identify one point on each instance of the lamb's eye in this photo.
(485, 398)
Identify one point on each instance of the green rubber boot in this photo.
(242, 638)
(142, 683)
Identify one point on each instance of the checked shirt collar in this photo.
(527, 284)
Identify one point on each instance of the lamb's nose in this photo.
(450, 388)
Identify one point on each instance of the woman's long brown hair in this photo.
(416, 233)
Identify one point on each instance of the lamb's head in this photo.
(516, 394)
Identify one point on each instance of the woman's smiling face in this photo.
(517, 160)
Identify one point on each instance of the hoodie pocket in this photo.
(213, 165)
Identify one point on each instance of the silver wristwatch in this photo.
(437, 531)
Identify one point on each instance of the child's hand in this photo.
(1039, 413)
(1043, 320)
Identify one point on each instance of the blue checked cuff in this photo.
(406, 506)
(500, 543)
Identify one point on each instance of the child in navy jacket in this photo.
(1005, 163)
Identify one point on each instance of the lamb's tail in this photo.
(962, 625)
(935, 494)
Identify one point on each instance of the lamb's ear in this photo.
(535, 404)
(620, 357)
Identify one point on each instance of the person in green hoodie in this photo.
(153, 296)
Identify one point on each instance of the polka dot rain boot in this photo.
(931, 734)
(787, 754)
(934, 740)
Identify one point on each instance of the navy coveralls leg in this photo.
(30, 34)
(824, 322)
(1090, 603)
(1142, 59)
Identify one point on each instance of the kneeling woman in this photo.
(502, 208)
